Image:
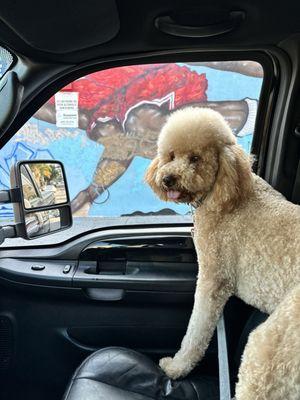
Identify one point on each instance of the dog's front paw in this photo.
(174, 368)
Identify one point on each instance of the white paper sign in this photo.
(66, 106)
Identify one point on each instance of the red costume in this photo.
(112, 93)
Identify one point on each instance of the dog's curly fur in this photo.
(247, 238)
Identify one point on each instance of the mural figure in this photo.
(250, 68)
(124, 109)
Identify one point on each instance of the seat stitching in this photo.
(194, 387)
(66, 395)
(109, 360)
(125, 390)
(126, 372)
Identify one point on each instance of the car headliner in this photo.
(77, 31)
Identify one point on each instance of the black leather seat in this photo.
(116, 373)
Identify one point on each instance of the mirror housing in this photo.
(40, 198)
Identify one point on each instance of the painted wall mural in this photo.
(104, 128)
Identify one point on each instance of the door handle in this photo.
(104, 294)
(167, 25)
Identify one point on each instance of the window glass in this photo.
(104, 128)
(30, 191)
(6, 60)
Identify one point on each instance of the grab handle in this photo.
(167, 25)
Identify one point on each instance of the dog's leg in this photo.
(270, 366)
(210, 298)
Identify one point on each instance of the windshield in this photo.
(104, 127)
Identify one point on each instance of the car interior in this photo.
(89, 314)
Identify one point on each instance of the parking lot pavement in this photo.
(86, 224)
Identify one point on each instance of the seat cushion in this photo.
(121, 374)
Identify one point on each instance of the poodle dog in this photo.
(247, 239)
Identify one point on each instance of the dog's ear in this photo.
(150, 178)
(151, 173)
(234, 181)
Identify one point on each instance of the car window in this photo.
(30, 191)
(6, 59)
(104, 127)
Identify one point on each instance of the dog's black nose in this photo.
(169, 180)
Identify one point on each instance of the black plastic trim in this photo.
(149, 274)
(21, 271)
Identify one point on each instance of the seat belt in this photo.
(224, 380)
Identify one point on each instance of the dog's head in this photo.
(198, 158)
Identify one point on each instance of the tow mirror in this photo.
(40, 199)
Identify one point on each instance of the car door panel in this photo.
(133, 290)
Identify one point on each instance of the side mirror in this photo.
(40, 198)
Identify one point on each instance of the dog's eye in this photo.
(172, 155)
(194, 159)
